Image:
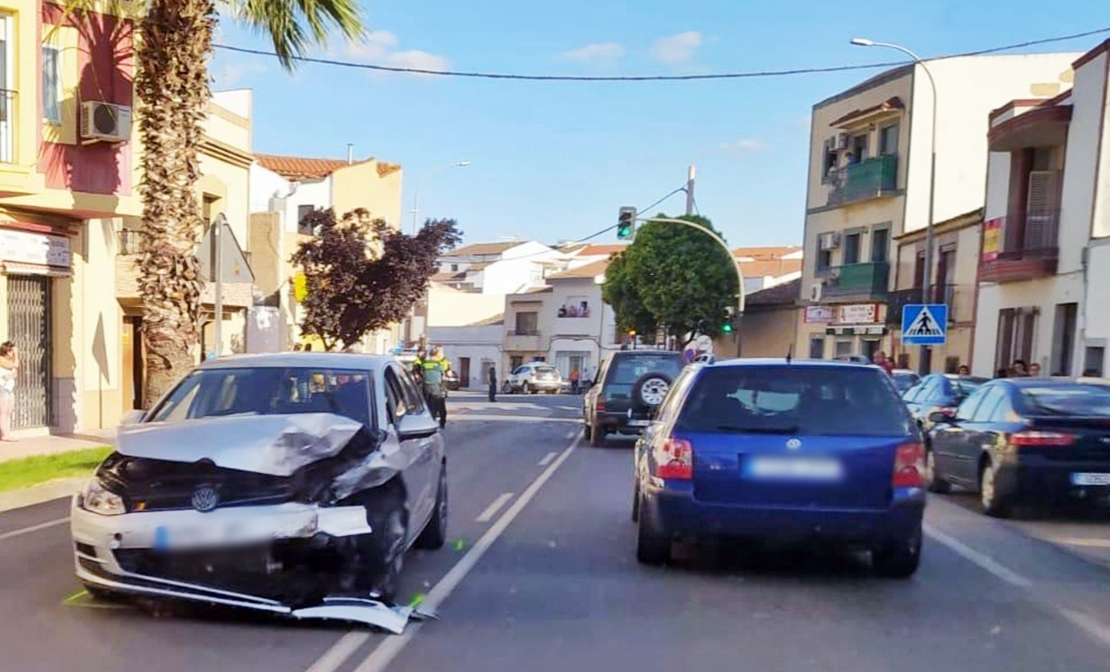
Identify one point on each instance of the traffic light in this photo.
(726, 328)
(632, 333)
(626, 223)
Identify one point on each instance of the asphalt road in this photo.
(542, 574)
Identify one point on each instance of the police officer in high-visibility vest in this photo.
(431, 371)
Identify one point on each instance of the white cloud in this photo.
(419, 60)
(677, 48)
(746, 146)
(378, 48)
(594, 53)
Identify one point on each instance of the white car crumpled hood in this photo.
(276, 445)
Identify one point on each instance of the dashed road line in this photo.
(494, 507)
(547, 459)
(338, 654)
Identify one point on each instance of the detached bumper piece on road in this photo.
(315, 532)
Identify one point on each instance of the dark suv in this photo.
(630, 384)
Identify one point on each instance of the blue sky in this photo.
(557, 160)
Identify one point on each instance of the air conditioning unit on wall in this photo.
(105, 122)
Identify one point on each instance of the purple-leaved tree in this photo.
(363, 275)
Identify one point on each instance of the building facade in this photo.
(1044, 278)
(67, 172)
(869, 182)
(284, 190)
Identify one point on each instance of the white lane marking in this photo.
(338, 654)
(1083, 543)
(547, 459)
(981, 559)
(1087, 624)
(380, 658)
(494, 507)
(34, 528)
(570, 434)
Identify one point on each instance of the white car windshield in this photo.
(207, 393)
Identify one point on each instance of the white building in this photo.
(1045, 268)
(766, 267)
(472, 349)
(565, 323)
(869, 183)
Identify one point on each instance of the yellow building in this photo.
(67, 170)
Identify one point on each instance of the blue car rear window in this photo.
(804, 400)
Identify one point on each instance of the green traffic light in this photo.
(726, 328)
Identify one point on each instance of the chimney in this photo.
(350, 153)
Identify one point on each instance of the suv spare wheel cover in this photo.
(652, 388)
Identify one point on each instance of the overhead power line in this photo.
(657, 78)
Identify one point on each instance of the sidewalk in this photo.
(54, 444)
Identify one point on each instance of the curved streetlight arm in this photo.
(720, 241)
(929, 227)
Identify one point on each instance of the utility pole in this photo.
(691, 173)
(218, 280)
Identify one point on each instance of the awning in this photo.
(18, 268)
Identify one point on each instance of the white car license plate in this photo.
(794, 468)
(1090, 479)
(637, 423)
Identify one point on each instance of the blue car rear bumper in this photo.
(676, 512)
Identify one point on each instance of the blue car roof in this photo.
(782, 361)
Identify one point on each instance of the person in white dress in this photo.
(9, 368)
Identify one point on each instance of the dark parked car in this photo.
(784, 451)
(629, 386)
(939, 392)
(1025, 441)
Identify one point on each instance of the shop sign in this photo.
(818, 314)
(38, 249)
(860, 313)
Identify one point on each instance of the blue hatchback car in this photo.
(786, 451)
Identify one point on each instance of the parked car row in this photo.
(1015, 441)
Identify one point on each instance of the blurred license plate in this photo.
(637, 423)
(1090, 479)
(793, 468)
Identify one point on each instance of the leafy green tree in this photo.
(672, 276)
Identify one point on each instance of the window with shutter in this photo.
(1042, 205)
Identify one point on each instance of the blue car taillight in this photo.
(674, 459)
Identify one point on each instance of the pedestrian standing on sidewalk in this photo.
(491, 378)
(9, 367)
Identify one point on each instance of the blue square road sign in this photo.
(925, 324)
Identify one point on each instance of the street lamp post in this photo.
(416, 190)
(930, 227)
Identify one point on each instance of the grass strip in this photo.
(25, 472)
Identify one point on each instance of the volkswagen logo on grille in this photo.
(793, 444)
(205, 498)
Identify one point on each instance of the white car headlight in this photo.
(98, 499)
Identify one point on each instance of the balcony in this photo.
(954, 296)
(859, 281)
(1027, 248)
(524, 341)
(868, 179)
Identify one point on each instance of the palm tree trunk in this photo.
(175, 39)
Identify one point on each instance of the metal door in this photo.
(29, 328)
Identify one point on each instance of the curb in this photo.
(40, 494)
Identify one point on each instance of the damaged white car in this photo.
(291, 483)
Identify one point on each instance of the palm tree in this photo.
(173, 45)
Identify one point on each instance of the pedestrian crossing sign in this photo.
(925, 324)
